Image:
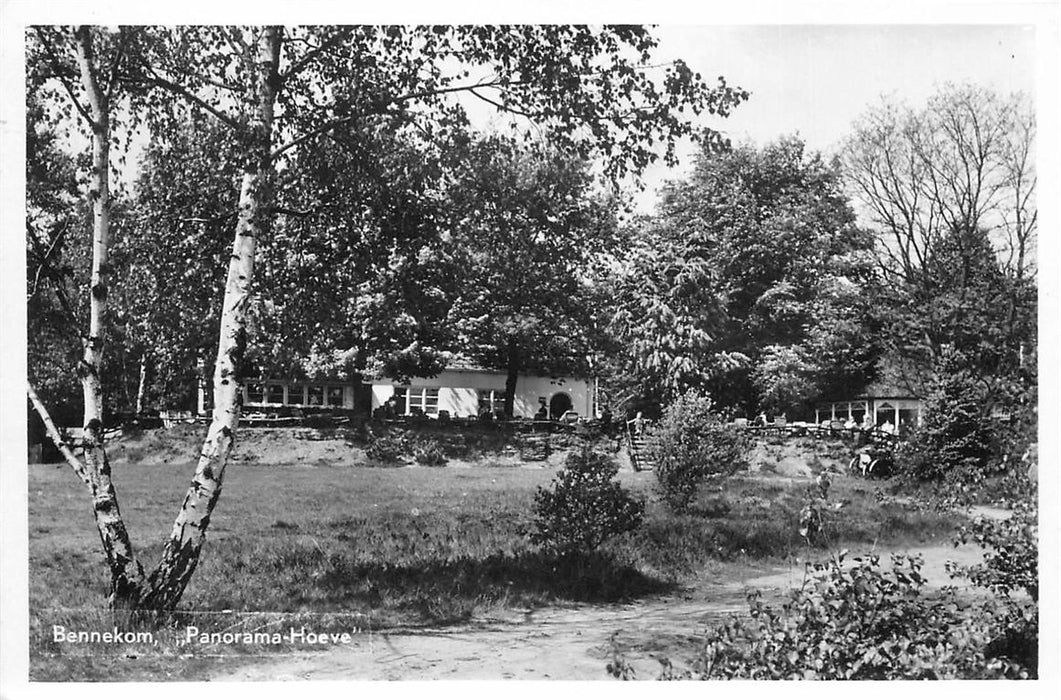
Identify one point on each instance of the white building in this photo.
(470, 392)
(462, 392)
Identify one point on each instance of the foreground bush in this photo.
(585, 506)
(860, 622)
(690, 445)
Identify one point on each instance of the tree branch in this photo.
(60, 72)
(113, 80)
(182, 91)
(313, 54)
(53, 433)
(328, 126)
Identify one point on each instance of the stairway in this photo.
(636, 445)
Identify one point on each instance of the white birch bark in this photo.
(181, 555)
(141, 387)
(126, 574)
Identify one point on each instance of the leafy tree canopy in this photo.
(747, 280)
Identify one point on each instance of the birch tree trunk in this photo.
(141, 387)
(126, 573)
(180, 557)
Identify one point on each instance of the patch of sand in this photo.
(572, 643)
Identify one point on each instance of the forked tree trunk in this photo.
(167, 582)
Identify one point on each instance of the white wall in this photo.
(459, 391)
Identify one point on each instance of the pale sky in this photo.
(815, 80)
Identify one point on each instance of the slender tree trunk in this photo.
(141, 389)
(180, 557)
(126, 573)
(512, 377)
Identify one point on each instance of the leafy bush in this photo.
(585, 506)
(858, 622)
(689, 445)
(385, 448)
(430, 453)
(1011, 562)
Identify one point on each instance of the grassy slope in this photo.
(339, 545)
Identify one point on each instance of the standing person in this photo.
(637, 424)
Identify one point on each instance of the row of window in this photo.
(416, 399)
(294, 394)
(408, 399)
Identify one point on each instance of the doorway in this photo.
(559, 404)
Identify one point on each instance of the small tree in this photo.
(955, 437)
(585, 506)
(690, 445)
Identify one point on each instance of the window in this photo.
(316, 395)
(491, 400)
(416, 398)
(255, 393)
(335, 396)
(296, 394)
(431, 401)
(274, 393)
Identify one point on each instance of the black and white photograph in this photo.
(550, 345)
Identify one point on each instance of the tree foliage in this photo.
(170, 262)
(56, 258)
(282, 95)
(949, 188)
(748, 280)
(527, 233)
(955, 437)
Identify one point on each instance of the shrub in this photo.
(585, 505)
(858, 622)
(385, 448)
(1011, 562)
(430, 454)
(954, 438)
(690, 445)
(319, 421)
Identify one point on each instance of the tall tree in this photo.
(169, 262)
(86, 64)
(744, 272)
(949, 190)
(591, 91)
(529, 227)
(962, 162)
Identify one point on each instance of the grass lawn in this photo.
(342, 546)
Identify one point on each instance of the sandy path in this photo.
(557, 643)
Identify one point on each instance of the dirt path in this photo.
(567, 643)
